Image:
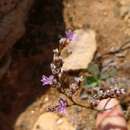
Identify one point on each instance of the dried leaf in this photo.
(80, 51)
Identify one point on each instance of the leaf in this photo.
(93, 69)
(111, 72)
(81, 51)
(91, 82)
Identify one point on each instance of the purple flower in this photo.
(62, 105)
(70, 35)
(47, 80)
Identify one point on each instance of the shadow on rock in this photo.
(32, 55)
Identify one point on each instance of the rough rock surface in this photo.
(31, 55)
(81, 50)
(110, 22)
(80, 118)
(13, 14)
(21, 85)
(51, 121)
(98, 15)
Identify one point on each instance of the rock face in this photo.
(35, 116)
(12, 18)
(101, 17)
(112, 24)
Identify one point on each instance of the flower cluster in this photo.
(70, 35)
(47, 80)
(60, 107)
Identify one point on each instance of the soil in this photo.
(22, 96)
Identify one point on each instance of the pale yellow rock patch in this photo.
(81, 50)
(51, 121)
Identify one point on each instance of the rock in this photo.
(81, 51)
(99, 16)
(82, 118)
(26, 119)
(13, 15)
(5, 63)
(6, 6)
(51, 121)
(124, 2)
(12, 18)
(111, 115)
(78, 117)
